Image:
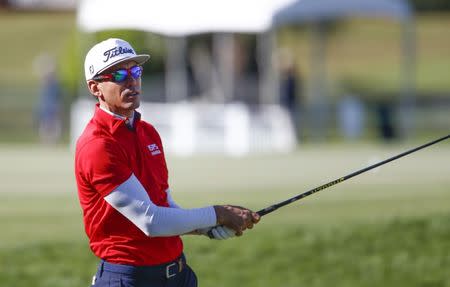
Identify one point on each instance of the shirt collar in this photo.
(113, 122)
(130, 119)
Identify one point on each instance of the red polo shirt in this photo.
(107, 153)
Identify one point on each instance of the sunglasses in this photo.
(120, 75)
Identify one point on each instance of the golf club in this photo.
(276, 206)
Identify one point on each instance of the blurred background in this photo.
(255, 102)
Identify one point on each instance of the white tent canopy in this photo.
(178, 18)
(187, 126)
(314, 10)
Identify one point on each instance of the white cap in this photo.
(108, 53)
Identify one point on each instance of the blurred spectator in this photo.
(290, 86)
(351, 115)
(48, 110)
(244, 69)
(200, 72)
(385, 119)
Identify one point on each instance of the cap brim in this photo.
(140, 59)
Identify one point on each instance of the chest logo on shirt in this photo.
(154, 149)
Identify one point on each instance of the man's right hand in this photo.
(236, 217)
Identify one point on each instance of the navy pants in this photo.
(173, 274)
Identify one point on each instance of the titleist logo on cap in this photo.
(108, 53)
(116, 51)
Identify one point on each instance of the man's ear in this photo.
(94, 88)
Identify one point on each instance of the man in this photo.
(130, 217)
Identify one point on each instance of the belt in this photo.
(167, 270)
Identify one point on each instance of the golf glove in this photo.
(218, 232)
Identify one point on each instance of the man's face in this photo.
(121, 98)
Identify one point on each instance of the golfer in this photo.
(132, 222)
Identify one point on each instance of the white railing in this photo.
(201, 128)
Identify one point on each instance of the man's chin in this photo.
(132, 105)
(137, 104)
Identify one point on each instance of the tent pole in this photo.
(317, 112)
(223, 53)
(408, 97)
(268, 68)
(176, 76)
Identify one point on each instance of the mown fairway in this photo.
(385, 228)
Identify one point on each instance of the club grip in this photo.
(210, 234)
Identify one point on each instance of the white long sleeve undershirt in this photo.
(133, 202)
(172, 203)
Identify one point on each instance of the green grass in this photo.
(388, 228)
(28, 35)
(400, 253)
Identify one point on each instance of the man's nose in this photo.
(130, 81)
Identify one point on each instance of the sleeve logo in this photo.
(154, 149)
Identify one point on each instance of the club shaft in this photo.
(274, 207)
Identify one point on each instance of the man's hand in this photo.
(236, 218)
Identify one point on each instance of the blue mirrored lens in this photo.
(136, 71)
(120, 75)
